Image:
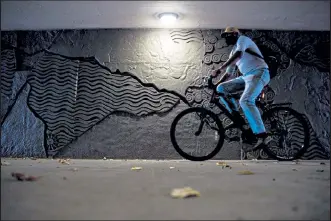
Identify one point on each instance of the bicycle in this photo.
(293, 132)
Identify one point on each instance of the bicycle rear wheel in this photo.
(289, 131)
(197, 134)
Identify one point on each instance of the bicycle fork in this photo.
(202, 122)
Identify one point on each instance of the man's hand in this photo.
(216, 72)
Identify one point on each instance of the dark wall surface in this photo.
(114, 93)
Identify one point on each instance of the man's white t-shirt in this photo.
(248, 62)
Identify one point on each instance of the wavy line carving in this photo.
(53, 90)
(316, 149)
(8, 67)
(186, 36)
(73, 94)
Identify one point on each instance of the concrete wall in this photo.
(114, 93)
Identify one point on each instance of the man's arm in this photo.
(232, 60)
(230, 70)
(242, 44)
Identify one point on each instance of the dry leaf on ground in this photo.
(63, 161)
(22, 177)
(136, 168)
(184, 193)
(31, 178)
(221, 164)
(245, 172)
(4, 163)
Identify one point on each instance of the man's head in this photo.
(231, 35)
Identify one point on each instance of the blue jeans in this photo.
(252, 82)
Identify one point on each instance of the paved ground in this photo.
(109, 189)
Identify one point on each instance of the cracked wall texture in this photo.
(115, 92)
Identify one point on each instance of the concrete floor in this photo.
(109, 189)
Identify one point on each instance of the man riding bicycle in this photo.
(255, 76)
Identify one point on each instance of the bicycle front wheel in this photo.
(197, 134)
(289, 131)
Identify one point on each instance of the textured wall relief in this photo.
(22, 133)
(53, 97)
(167, 58)
(8, 68)
(72, 95)
(116, 92)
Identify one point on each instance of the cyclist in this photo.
(255, 75)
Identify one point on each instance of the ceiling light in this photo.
(168, 17)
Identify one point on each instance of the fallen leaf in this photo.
(184, 193)
(4, 163)
(136, 168)
(64, 178)
(18, 176)
(22, 177)
(221, 164)
(63, 161)
(31, 178)
(320, 171)
(245, 172)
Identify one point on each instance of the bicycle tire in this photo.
(183, 153)
(305, 130)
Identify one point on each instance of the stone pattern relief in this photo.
(80, 79)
